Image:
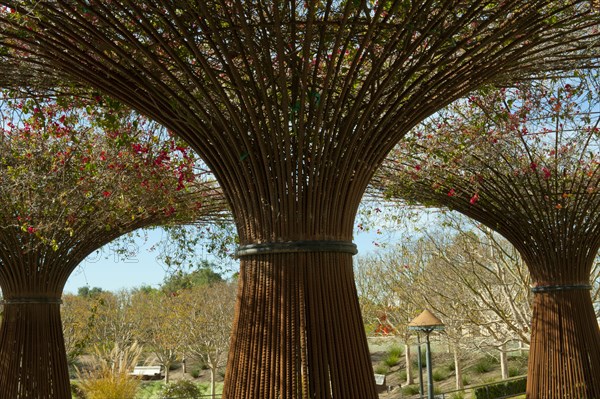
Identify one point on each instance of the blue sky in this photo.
(112, 271)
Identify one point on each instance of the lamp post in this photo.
(426, 322)
(420, 366)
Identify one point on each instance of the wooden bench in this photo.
(147, 371)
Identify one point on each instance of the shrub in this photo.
(180, 389)
(458, 395)
(396, 350)
(116, 387)
(109, 377)
(150, 390)
(465, 380)
(451, 367)
(381, 369)
(195, 372)
(519, 362)
(501, 389)
(485, 364)
(423, 360)
(410, 390)
(439, 375)
(514, 371)
(521, 359)
(402, 375)
(76, 392)
(391, 360)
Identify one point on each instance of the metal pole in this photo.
(420, 366)
(429, 371)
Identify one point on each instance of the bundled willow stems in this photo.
(526, 163)
(293, 105)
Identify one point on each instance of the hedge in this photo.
(502, 389)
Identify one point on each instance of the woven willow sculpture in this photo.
(293, 105)
(68, 188)
(526, 163)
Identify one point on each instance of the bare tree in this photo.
(209, 311)
(78, 315)
(159, 326)
(387, 283)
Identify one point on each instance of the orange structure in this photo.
(294, 105)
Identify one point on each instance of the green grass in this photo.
(381, 368)
(149, 390)
(514, 371)
(152, 390)
(465, 380)
(485, 364)
(410, 390)
(391, 360)
(439, 375)
(396, 350)
(195, 372)
(402, 375)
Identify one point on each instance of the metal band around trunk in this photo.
(32, 300)
(551, 288)
(295, 247)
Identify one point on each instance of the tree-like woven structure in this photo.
(526, 163)
(293, 105)
(72, 181)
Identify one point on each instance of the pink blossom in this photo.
(547, 173)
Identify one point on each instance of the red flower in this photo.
(106, 194)
(474, 199)
(451, 193)
(31, 230)
(533, 166)
(547, 173)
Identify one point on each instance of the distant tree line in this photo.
(186, 319)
